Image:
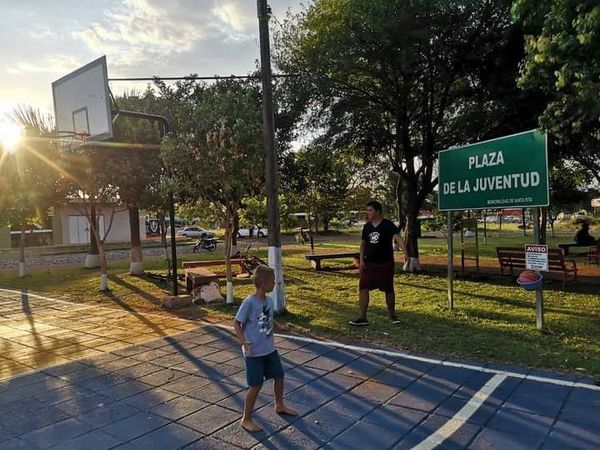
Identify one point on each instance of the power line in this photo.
(195, 77)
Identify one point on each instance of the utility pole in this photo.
(271, 179)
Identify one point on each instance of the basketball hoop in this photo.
(82, 105)
(71, 140)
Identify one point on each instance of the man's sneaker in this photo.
(394, 320)
(359, 322)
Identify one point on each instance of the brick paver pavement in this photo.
(186, 390)
(36, 332)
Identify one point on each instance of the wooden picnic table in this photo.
(199, 276)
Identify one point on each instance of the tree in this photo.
(567, 188)
(216, 150)
(28, 177)
(398, 78)
(563, 62)
(319, 179)
(88, 183)
(254, 211)
(201, 212)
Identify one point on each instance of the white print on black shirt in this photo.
(374, 237)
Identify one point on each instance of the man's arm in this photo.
(362, 264)
(400, 243)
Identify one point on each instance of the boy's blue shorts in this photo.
(260, 368)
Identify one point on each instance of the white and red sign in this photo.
(536, 257)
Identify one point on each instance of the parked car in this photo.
(245, 232)
(196, 232)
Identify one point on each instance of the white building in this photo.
(70, 225)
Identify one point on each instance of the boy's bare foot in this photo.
(250, 426)
(286, 410)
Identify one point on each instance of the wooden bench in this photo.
(315, 260)
(567, 247)
(514, 258)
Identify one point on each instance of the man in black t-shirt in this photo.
(377, 261)
(583, 236)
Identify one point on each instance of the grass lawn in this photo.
(491, 322)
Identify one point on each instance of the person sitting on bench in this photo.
(583, 236)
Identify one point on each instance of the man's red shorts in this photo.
(378, 276)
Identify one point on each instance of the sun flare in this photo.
(10, 135)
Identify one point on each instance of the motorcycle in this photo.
(205, 243)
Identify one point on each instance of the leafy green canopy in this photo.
(215, 151)
(402, 78)
(563, 61)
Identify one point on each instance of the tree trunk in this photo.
(500, 224)
(411, 233)
(484, 227)
(310, 224)
(22, 271)
(400, 210)
(136, 266)
(234, 234)
(552, 227)
(103, 267)
(162, 226)
(412, 243)
(102, 259)
(228, 243)
(92, 260)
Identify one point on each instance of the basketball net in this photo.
(71, 140)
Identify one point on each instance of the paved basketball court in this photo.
(186, 391)
(37, 331)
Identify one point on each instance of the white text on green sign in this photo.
(505, 172)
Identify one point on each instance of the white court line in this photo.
(356, 348)
(465, 413)
(431, 360)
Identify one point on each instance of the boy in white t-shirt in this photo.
(254, 326)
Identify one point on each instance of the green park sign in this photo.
(507, 172)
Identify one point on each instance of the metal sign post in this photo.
(450, 264)
(539, 294)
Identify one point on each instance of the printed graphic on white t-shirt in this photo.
(265, 324)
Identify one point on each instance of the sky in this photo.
(42, 40)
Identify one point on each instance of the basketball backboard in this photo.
(82, 103)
